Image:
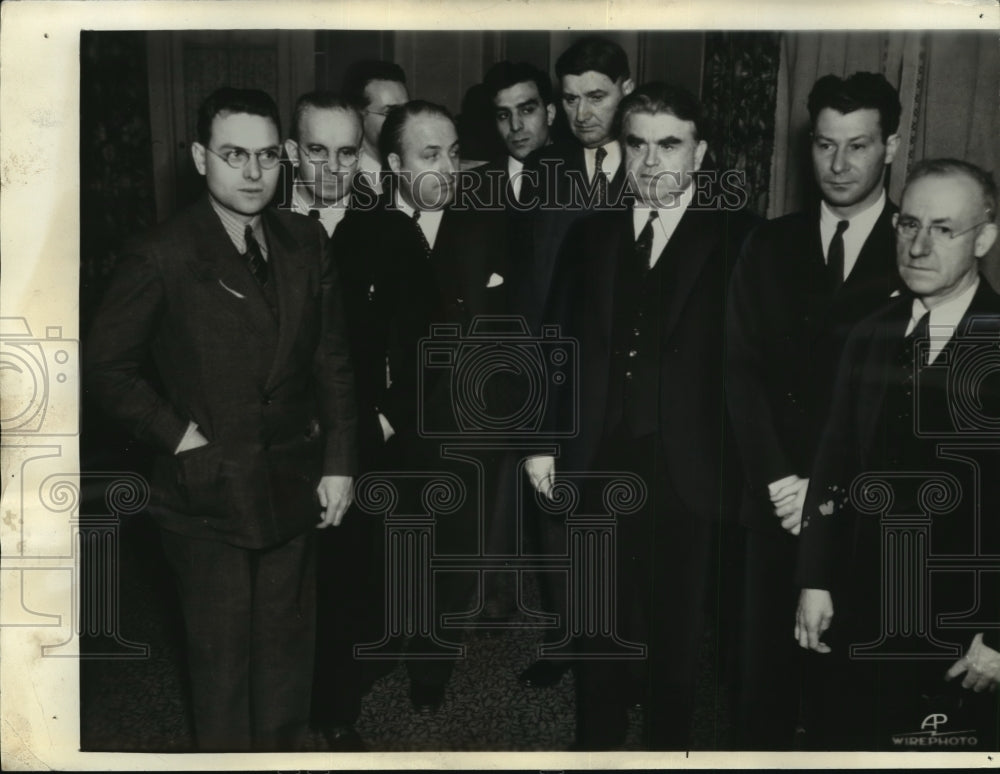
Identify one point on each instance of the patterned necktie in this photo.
(835, 255)
(420, 232)
(600, 179)
(644, 244)
(254, 257)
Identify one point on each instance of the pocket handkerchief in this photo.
(495, 280)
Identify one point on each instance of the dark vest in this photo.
(634, 386)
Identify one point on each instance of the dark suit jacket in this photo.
(785, 333)
(692, 420)
(394, 293)
(558, 200)
(853, 440)
(262, 391)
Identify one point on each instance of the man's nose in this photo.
(839, 161)
(652, 156)
(252, 169)
(583, 112)
(921, 244)
(516, 123)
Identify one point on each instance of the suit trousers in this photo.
(663, 559)
(772, 661)
(350, 593)
(249, 616)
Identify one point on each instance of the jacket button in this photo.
(628, 375)
(632, 353)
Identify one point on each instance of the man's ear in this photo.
(985, 239)
(699, 153)
(198, 153)
(628, 86)
(891, 146)
(394, 162)
(550, 113)
(292, 149)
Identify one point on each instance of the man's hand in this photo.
(541, 473)
(788, 500)
(192, 439)
(335, 495)
(981, 666)
(387, 429)
(813, 618)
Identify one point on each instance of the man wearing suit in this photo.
(570, 179)
(414, 261)
(239, 308)
(566, 182)
(323, 149)
(374, 87)
(524, 111)
(803, 281)
(642, 289)
(899, 396)
(323, 152)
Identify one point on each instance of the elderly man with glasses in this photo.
(911, 643)
(250, 407)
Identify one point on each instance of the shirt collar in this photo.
(513, 166)
(425, 215)
(950, 313)
(235, 226)
(861, 223)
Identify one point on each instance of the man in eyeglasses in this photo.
(916, 403)
(324, 149)
(252, 415)
(375, 87)
(802, 282)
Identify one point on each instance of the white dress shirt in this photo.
(371, 169)
(328, 216)
(429, 220)
(665, 223)
(514, 169)
(610, 164)
(857, 232)
(943, 321)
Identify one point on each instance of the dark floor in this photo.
(140, 704)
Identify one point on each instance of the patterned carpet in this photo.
(141, 704)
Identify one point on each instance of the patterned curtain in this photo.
(116, 185)
(740, 83)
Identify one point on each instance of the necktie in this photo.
(644, 244)
(314, 214)
(600, 179)
(835, 255)
(420, 232)
(254, 257)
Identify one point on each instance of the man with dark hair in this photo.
(521, 97)
(374, 87)
(323, 149)
(413, 261)
(238, 307)
(803, 281)
(915, 409)
(642, 289)
(567, 181)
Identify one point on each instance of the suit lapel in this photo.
(291, 278)
(878, 367)
(686, 254)
(221, 268)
